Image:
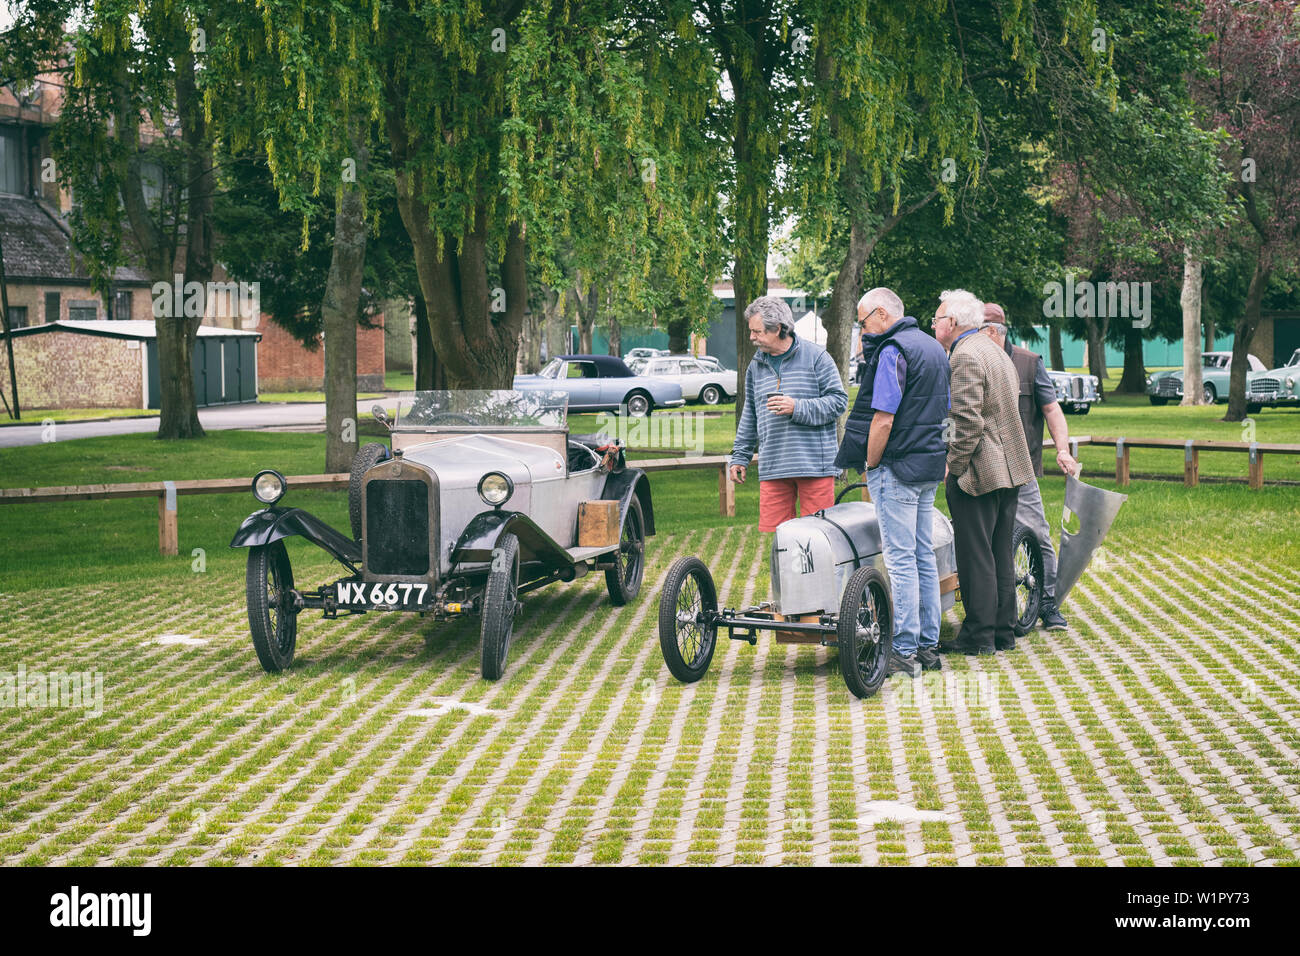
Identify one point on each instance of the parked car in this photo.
(1276, 386)
(707, 382)
(1216, 369)
(481, 499)
(642, 353)
(602, 383)
(1075, 392)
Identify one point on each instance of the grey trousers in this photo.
(1029, 512)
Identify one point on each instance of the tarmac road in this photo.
(307, 416)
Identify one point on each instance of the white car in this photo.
(703, 379)
(640, 354)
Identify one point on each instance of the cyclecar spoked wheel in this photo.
(272, 618)
(624, 579)
(688, 607)
(865, 631)
(1027, 559)
(500, 599)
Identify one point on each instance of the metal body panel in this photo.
(812, 559)
(1096, 509)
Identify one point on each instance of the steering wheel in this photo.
(848, 488)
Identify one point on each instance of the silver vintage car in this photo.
(1075, 392)
(483, 496)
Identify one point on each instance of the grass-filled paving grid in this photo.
(1159, 730)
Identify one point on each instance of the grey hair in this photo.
(773, 311)
(998, 327)
(966, 311)
(881, 298)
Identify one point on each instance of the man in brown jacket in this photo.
(988, 461)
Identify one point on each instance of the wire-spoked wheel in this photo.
(688, 607)
(272, 618)
(623, 581)
(865, 631)
(1027, 559)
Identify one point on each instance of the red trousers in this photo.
(776, 498)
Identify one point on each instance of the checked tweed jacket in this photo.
(987, 449)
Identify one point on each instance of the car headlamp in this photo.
(1290, 381)
(495, 488)
(269, 486)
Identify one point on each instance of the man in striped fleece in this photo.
(793, 396)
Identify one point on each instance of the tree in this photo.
(1252, 95)
(133, 142)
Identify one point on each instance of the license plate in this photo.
(379, 596)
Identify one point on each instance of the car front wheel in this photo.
(500, 598)
(710, 395)
(272, 618)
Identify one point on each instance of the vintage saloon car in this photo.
(703, 379)
(1216, 371)
(602, 383)
(1076, 393)
(1275, 387)
(483, 497)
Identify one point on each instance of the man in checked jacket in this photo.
(988, 461)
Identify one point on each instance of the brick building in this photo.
(286, 365)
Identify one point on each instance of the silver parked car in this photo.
(1075, 392)
(477, 502)
(701, 379)
(602, 383)
(1275, 387)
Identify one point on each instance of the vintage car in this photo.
(1216, 370)
(1277, 386)
(1076, 393)
(602, 383)
(638, 354)
(830, 587)
(483, 497)
(700, 380)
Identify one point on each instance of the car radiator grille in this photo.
(397, 527)
(1265, 386)
(1076, 387)
(1167, 387)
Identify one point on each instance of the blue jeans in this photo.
(906, 514)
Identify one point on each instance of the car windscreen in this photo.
(484, 408)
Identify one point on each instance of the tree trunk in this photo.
(426, 359)
(586, 308)
(678, 328)
(615, 336)
(1054, 347)
(339, 314)
(1191, 303)
(1097, 350)
(557, 326)
(1134, 379)
(1209, 335)
(1242, 334)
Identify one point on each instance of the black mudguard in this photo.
(272, 524)
(620, 486)
(480, 537)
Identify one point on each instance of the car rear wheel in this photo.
(1027, 559)
(367, 457)
(272, 618)
(624, 579)
(687, 608)
(866, 631)
(500, 601)
(1158, 401)
(1209, 393)
(638, 404)
(710, 395)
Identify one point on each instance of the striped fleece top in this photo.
(801, 445)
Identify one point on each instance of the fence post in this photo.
(1256, 467)
(1121, 463)
(1191, 465)
(167, 534)
(726, 493)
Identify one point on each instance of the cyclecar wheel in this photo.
(272, 618)
(687, 609)
(865, 631)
